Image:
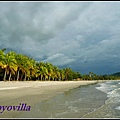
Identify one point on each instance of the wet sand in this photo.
(32, 92)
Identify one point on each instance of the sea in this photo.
(101, 100)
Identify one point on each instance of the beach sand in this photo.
(32, 92)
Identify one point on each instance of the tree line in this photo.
(20, 67)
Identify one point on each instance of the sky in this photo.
(84, 36)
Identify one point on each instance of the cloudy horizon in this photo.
(84, 36)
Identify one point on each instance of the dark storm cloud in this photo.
(82, 35)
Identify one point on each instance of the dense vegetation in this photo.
(116, 74)
(20, 67)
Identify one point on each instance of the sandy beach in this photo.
(32, 92)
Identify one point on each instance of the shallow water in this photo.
(111, 108)
(81, 102)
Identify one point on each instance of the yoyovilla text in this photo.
(20, 107)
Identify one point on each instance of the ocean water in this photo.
(111, 108)
(100, 100)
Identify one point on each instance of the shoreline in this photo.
(33, 92)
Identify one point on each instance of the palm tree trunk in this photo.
(25, 77)
(10, 76)
(41, 77)
(21, 77)
(45, 77)
(66, 77)
(48, 77)
(4, 76)
(18, 76)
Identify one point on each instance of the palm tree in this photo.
(67, 73)
(55, 74)
(10, 64)
(19, 59)
(37, 70)
(2, 57)
(49, 67)
(26, 66)
(91, 75)
(42, 70)
(45, 72)
(58, 75)
(62, 74)
(33, 67)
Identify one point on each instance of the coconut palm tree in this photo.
(91, 75)
(42, 71)
(37, 71)
(2, 57)
(33, 67)
(67, 73)
(19, 59)
(55, 73)
(45, 72)
(49, 67)
(10, 64)
(62, 74)
(26, 66)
